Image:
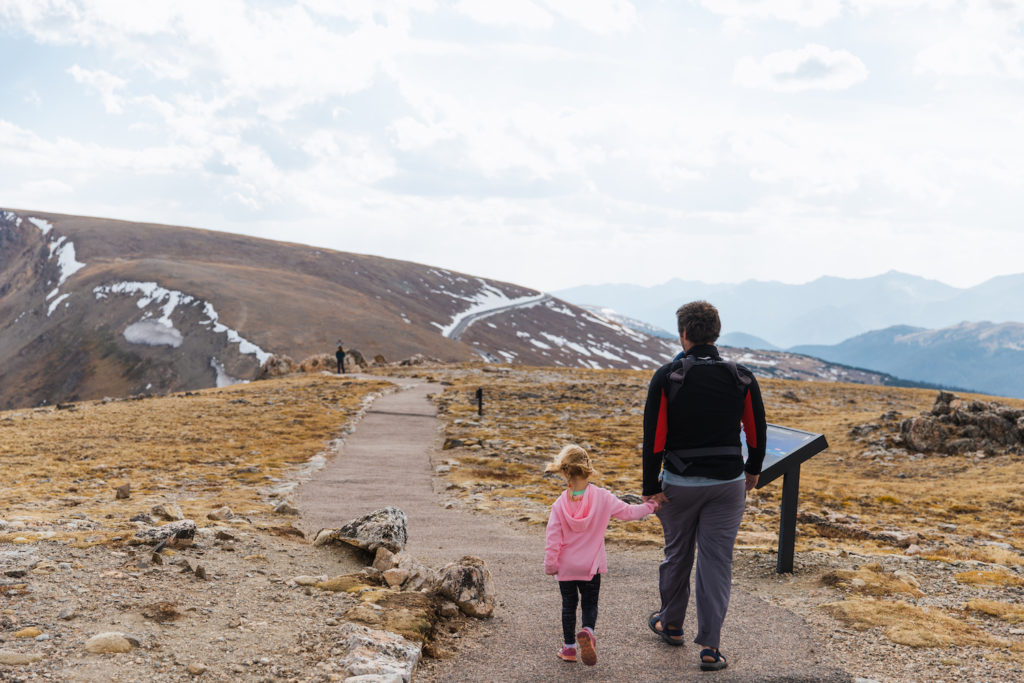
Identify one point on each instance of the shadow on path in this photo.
(387, 462)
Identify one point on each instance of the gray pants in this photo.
(705, 518)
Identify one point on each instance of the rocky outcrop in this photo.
(385, 528)
(954, 425)
(468, 584)
(276, 366)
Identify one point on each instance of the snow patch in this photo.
(55, 303)
(223, 378)
(151, 293)
(153, 333)
(539, 344)
(44, 226)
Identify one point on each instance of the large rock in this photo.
(276, 366)
(468, 584)
(9, 658)
(110, 643)
(954, 425)
(385, 528)
(175, 533)
(379, 654)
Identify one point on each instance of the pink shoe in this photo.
(588, 646)
(567, 654)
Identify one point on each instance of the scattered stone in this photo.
(67, 614)
(396, 577)
(196, 669)
(912, 550)
(469, 585)
(448, 609)
(106, 643)
(223, 535)
(142, 517)
(123, 491)
(630, 498)
(179, 533)
(169, 512)
(343, 583)
(370, 652)
(221, 514)
(384, 559)
(309, 580)
(18, 658)
(386, 528)
(286, 508)
(161, 612)
(30, 632)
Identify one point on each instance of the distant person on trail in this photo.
(340, 356)
(575, 546)
(693, 467)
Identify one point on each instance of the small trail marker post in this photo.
(480, 401)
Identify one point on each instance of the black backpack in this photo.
(682, 458)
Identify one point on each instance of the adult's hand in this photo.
(752, 480)
(660, 498)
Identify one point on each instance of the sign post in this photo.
(786, 449)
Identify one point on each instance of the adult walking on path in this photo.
(387, 461)
(693, 466)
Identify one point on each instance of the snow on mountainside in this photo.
(92, 307)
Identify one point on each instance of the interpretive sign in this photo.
(785, 450)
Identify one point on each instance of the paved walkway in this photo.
(387, 462)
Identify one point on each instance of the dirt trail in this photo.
(387, 461)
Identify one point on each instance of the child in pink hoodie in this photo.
(575, 546)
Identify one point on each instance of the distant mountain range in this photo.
(985, 357)
(828, 310)
(898, 324)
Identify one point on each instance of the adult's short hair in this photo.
(700, 321)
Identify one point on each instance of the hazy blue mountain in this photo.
(825, 311)
(985, 357)
(742, 340)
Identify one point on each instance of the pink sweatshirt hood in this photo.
(576, 515)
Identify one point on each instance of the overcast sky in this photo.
(549, 143)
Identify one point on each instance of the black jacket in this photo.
(707, 412)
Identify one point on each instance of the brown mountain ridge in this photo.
(93, 307)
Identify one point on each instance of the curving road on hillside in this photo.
(463, 324)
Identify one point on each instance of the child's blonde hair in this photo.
(573, 461)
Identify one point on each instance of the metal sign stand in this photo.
(787, 466)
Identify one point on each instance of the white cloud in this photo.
(599, 16)
(801, 12)
(105, 84)
(519, 13)
(985, 40)
(812, 67)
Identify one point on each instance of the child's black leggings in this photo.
(572, 591)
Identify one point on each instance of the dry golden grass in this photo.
(529, 413)
(989, 578)
(1009, 612)
(211, 448)
(911, 625)
(870, 580)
